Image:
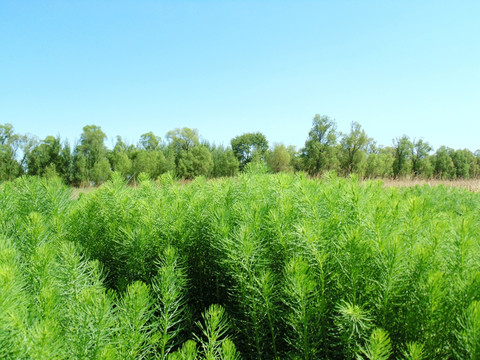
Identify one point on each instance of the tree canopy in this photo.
(249, 147)
(184, 155)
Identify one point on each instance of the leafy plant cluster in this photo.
(259, 266)
(183, 154)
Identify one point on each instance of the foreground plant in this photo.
(169, 288)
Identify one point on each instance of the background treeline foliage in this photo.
(266, 266)
(185, 155)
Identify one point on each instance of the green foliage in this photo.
(444, 166)
(224, 162)
(135, 338)
(419, 158)
(304, 308)
(92, 144)
(462, 160)
(352, 149)
(249, 147)
(46, 153)
(378, 347)
(194, 162)
(215, 344)
(414, 351)
(185, 155)
(353, 323)
(319, 153)
(150, 142)
(9, 144)
(279, 159)
(188, 351)
(183, 139)
(151, 162)
(403, 153)
(469, 335)
(90, 157)
(380, 163)
(101, 171)
(169, 287)
(122, 163)
(328, 268)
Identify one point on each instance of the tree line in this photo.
(185, 155)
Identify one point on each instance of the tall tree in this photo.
(183, 139)
(419, 157)
(353, 146)
(224, 161)
(152, 163)
(195, 162)
(67, 168)
(380, 162)
(120, 159)
(249, 147)
(462, 160)
(319, 153)
(475, 167)
(45, 155)
(403, 153)
(279, 158)
(150, 142)
(92, 144)
(9, 145)
(444, 166)
(90, 156)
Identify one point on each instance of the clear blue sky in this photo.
(229, 67)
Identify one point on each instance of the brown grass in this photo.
(472, 184)
(82, 190)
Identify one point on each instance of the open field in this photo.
(256, 267)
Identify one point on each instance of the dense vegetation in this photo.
(185, 156)
(259, 266)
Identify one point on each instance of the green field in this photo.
(255, 267)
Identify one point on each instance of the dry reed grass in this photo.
(470, 184)
(81, 190)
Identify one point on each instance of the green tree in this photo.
(45, 154)
(92, 144)
(183, 139)
(66, 170)
(444, 166)
(149, 157)
(353, 148)
(120, 159)
(150, 142)
(420, 158)
(319, 153)
(80, 169)
(380, 162)
(403, 153)
(296, 160)
(462, 160)
(101, 171)
(90, 156)
(475, 165)
(169, 154)
(224, 161)
(197, 161)
(10, 143)
(150, 162)
(279, 158)
(249, 147)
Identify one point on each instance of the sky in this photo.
(231, 67)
